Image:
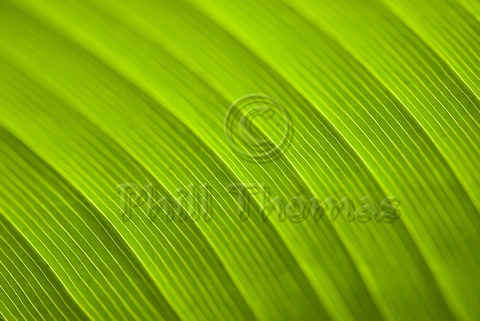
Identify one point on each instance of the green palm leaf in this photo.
(108, 106)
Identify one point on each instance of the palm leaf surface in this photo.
(383, 96)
